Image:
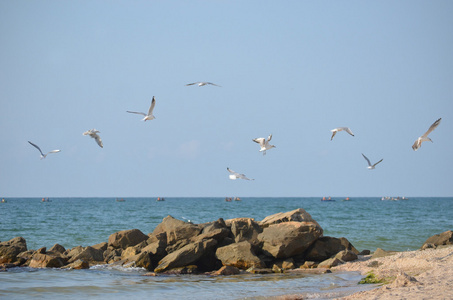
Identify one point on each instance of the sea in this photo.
(367, 222)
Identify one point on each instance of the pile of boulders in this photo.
(279, 242)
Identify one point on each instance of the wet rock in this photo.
(77, 265)
(239, 255)
(309, 265)
(445, 238)
(325, 247)
(284, 240)
(10, 249)
(255, 270)
(192, 269)
(40, 260)
(185, 256)
(141, 260)
(227, 270)
(88, 254)
(126, 238)
(128, 252)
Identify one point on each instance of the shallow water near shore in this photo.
(368, 223)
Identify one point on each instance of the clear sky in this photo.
(296, 69)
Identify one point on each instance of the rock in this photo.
(141, 260)
(88, 254)
(112, 255)
(254, 270)
(41, 250)
(297, 215)
(185, 256)
(346, 255)
(325, 247)
(101, 246)
(227, 270)
(381, 253)
(126, 238)
(77, 265)
(40, 260)
(329, 263)
(130, 251)
(244, 229)
(156, 249)
(192, 269)
(10, 249)
(445, 238)
(239, 255)
(277, 269)
(219, 224)
(176, 230)
(57, 248)
(402, 279)
(284, 240)
(218, 234)
(309, 265)
(365, 252)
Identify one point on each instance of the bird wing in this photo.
(231, 171)
(377, 162)
(53, 151)
(212, 84)
(416, 145)
(98, 140)
(269, 137)
(153, 103)
(192, 83)
(136, 112)
(432, 127)
(369, 163)
(348, 130)
(36, 146)
(259, 141)
(333, 134)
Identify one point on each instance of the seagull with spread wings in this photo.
(341, 129)
(149, 115)
(202, 83)
(264, 144)
(424, 137)
(94, 134)
(370, 166)
(42, 154)
(234, 175)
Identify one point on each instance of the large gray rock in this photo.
(239, 255)
(244, 229)
(185, 256)
(445, 238)
(176, 229)
(284, 240)
(126, 238)
(325, 247)
(297, 215)
(10, 249)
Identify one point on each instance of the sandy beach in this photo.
(420, 274)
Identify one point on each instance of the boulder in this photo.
(381, 253)
(176, 229)
(101, 246)
(239, 255)
(227, 270)
(329, 263)
(219, 224)
(77, 265)
(218, 234)
(88, 254)
(346, 255)
(57, 248)
(10, 249)
(40, 260)
(141, 260)
(126, 238)
(297, 215)
(445, 238)
(244, 229)
(185, 256)
(130, 251)
(284, 240)
(325, 247)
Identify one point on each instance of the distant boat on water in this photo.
(46, 200)
(120, 200)
(394, 198)
(327, 199)
(3, 200)
(237, 199)
(160, 199)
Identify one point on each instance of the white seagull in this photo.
(370, 166)
(341, 129)
(42, 154)
(202, 83)
(424, 137)
(264, 144)
(148, 116)
(235, 175)
(94, 134)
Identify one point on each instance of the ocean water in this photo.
(368, 223)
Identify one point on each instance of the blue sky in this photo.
(296, 69)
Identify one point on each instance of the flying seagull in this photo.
(42, 154)
(370, 166)
(341, 129)
(94, 134)
(148, 116)
(264, 144)
(424, 137)
(234, 175)
(202, 83)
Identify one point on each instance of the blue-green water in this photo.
(368, 223)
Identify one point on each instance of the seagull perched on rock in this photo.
(370, 166)
(202, 83)
(424, 137)
(94, 134)
(42, 154)
(341, 129)
(148, 116)
(264, 144)
(235, 175)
